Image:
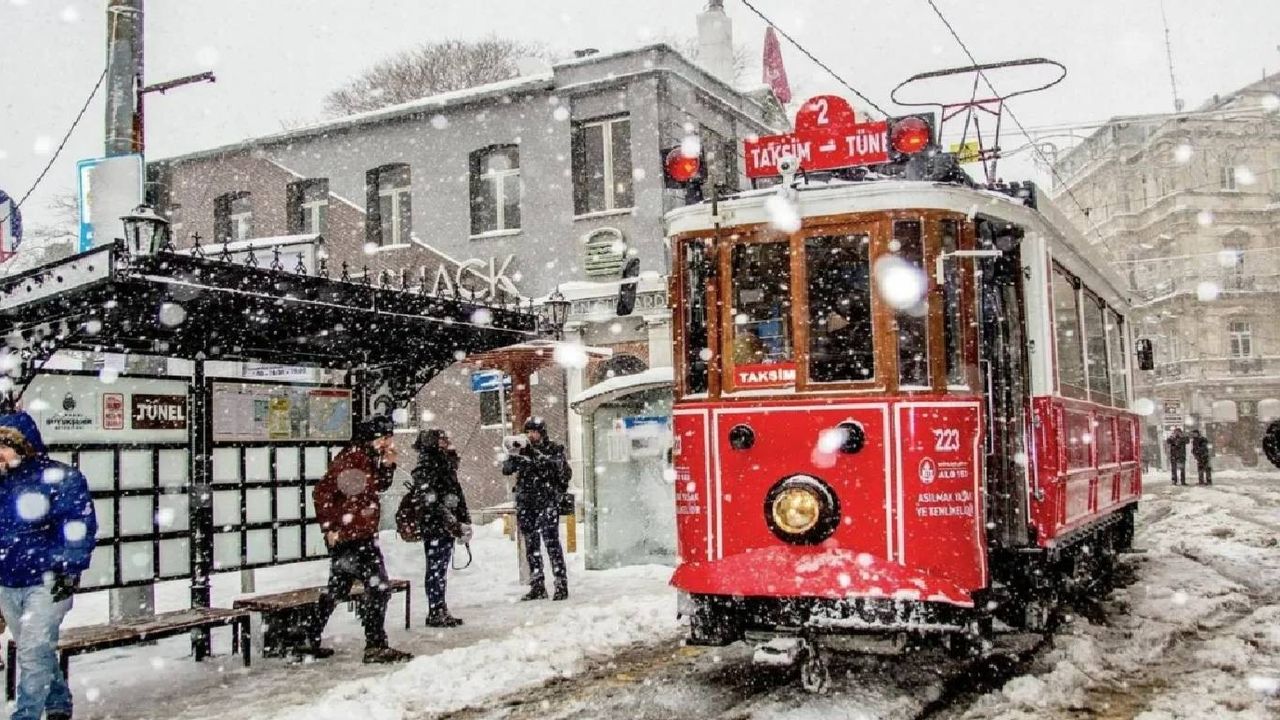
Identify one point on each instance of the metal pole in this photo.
(200, 501)
(124, 77)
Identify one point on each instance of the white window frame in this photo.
(497, 178)
(1240, 339)
(311, 215)
(606, 139)
(397, 195)
(241, 223)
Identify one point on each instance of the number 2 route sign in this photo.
(827, 137)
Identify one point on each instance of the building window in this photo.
(308, 206)
(1232, 261)
(602, 166)
(1241, 339)
(1228, 177)
(233, 216)
(389, 218)
(495, 189)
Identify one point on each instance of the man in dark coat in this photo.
(349, 511)
(542, 478)
(442, 517)
(1201, 451)
(47, 533)
(1177, 444)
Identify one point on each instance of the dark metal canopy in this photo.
(199, 308)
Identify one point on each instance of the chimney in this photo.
(585, 52)
(715, 42)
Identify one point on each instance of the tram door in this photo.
(1003, 367)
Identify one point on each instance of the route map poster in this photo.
(252, 412)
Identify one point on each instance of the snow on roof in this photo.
(621, 386)
(256, 244)
(650, 281)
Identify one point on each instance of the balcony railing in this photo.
(1245, 366)
(1210, 369)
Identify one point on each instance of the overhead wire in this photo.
(58, 151)
(813, 58)
(1006, 108)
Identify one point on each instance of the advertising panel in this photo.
(87, 409)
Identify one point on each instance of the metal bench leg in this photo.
(64, 662)
(235, 637)
(10, 670)
(408, 604)
(246, 643)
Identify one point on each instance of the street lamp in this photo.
(145, 232)
(557, 309)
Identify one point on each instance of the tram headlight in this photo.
(796, 510)
(802, 510)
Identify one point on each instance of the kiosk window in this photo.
(761, 309)
(839, 293)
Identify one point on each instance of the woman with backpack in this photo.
(438, 511)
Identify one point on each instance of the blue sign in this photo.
(636, 421)
(10, 223)
(487, 381)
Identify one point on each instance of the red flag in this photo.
(775, 75)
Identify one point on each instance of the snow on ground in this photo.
(505, 645)
(1197, 635)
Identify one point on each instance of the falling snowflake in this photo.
(172, 314)
(1205, 217)
(32, 506)
(75, 531)
(1208, 291)
(1144, 406)
(1182, 153)
(783, 214)
(901, 284)
(571, 356)
(439, 122)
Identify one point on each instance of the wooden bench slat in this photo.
(274, 602)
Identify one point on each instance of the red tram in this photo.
(901, 413)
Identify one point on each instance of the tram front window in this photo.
(761, 309)
(913, 320)
(696, 347)
(839, 293)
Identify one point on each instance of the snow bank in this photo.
(456, 678)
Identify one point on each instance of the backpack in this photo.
(408, 525)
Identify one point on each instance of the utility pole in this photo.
(1168, 51)
(123, 137)
(124, 77)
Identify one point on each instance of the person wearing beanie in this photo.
(542, 478)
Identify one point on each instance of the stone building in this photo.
(1187, 207)
(521, 187)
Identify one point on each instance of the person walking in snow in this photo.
(1201, 450)
(1177, 444)
(542, 478)
(349, 510)
(47, 533)
(442, 517)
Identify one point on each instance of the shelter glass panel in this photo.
(226, 551)
(175, 557)
(135, 469)
(136, 515)
(841, 341)
(98, 468)
(173, 468)
(137, 561)
(258, 550)
(288, 464)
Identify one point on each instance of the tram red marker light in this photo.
(681, 167)
(911, 135)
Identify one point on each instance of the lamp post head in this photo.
(557, 311)
(145, 232)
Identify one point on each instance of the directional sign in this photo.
(824, 149)
(487, 381)
(10, 225)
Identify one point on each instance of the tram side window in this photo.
(841, 347)
(952, 313)
(1119, 366)
(697, 350)
(913, 320)
(1066, 320)
(1096, 349)
(761, 303)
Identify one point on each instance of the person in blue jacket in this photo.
(47, 534)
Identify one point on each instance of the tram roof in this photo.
(831, 198)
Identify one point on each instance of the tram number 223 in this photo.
(946, 440)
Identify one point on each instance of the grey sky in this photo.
(275, 59)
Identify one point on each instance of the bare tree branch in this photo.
(430, 69)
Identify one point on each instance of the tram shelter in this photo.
(388, 336)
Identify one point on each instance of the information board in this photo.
(256, 412)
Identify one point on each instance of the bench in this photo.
(286, 615)
(92, 638)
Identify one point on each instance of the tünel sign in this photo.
(159, 412)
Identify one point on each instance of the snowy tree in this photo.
(432, 68)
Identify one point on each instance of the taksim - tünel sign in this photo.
(826, 137)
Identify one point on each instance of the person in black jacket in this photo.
(442, 517)
(1177, 444)
(542, 478)
(1200, 450)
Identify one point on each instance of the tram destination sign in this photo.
(827, 137)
